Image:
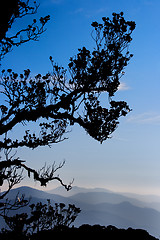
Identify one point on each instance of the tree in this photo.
(54, 102)
(10, 11)
(42, 217)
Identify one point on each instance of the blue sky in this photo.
(130, 161)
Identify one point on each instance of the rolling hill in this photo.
(104, 208)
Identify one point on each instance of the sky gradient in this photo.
(130, 160)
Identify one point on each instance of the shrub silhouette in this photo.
(47, 217)
(41, 218)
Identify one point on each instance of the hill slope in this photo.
(84, 231)
(96, 208)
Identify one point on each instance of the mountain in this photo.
(105, 197)
(150, 201)
(144, 218)
(34, 193)
(146, 198)
(93, 231)
(75, 190)
(104, 208)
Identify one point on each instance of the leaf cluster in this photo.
(42, 217)
(9, 13)
(59, 99)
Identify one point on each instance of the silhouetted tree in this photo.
(10, 11)
(41, 217)
(55, 101)
(11, 167)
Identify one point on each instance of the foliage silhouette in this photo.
(54, 102)
(42, 217)
(12, 167)
(10, 11)
(85, 231)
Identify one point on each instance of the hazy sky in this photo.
(130, 161)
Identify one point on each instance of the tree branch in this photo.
(43, 176)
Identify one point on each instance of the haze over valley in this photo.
(104, 207)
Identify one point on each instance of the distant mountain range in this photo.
(61, 191)
(150, 201)
(100, 206)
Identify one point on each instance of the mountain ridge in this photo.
(95, 209)
(146, 200)
(75, 189)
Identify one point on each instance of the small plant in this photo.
(47, 217)
(42, 217)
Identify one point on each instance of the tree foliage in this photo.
(54, 102)
(10, 12)
(57, 100)
(42, 217)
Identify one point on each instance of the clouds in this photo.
(89, 10)
(145, 118)
(123, 87)
(97, 11)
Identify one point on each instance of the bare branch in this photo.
(44, 175)
(11, 205)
